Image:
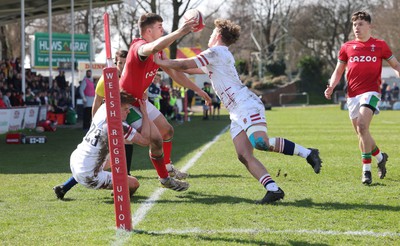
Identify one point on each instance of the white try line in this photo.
(271, 231)
(139, 215)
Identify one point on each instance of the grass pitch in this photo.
(332, 208)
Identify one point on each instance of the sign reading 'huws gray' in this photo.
(61, 48)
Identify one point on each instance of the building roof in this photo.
(10, 11)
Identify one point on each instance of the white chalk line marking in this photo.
(271, 231)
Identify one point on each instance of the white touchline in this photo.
(255, 231)
(139, 215)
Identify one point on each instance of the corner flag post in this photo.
(116, 139)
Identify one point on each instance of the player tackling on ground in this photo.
(91, 157)
(363, 59)
(248, 126)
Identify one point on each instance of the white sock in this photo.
(379, 157)
(169, 167)
(301, 151)
(366, 167)
(272, 186)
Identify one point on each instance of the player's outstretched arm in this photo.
(184, 65)
(165, 41)
(181, 79)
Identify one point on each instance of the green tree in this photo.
(276, 68)
(312, 78)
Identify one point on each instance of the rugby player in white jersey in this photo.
(248, 123)
(91, 157)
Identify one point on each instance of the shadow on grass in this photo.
(191, 176)
(134, 199)
(53, 156)
(196, 197)
(203, 237)
(67, 199)
(212, 199)
(308, 203)
(190, 197)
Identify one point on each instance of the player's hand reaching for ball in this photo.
(188, 26)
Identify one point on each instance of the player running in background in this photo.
(138, 74)
(248, 123)
(91, 157)
(363, 59)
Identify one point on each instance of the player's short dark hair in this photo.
(147, 20)
(126, 98)
(120, 54)
(229, 31)
(361, 15)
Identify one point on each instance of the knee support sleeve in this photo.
(257, 143)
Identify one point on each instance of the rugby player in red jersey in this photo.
(363, 59)
(137, 76)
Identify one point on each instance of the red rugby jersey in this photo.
(364, 64)
(137, 74)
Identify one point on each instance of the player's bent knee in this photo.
(259, 142)
(133, 183)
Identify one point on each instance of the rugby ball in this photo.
(195, 15)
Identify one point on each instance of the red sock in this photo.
(376, 151)
(158, 163)
(167, 147)
(366, 160)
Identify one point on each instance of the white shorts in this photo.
(152, 112)
(85, 173)
(247, 113)
(369, 99)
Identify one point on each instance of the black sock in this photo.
(128, 155)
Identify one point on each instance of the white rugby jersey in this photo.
(219, 64)
(90, 154)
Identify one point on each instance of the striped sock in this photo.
(366, 160)
(377, 153)
(287, 147)
(268, 182)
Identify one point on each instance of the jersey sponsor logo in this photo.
(152, 73)
(363, 59)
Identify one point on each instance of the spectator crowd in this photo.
(39, 90)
